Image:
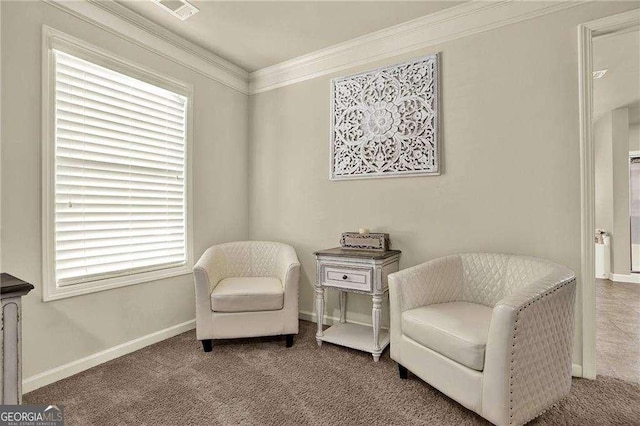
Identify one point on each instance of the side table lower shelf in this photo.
(355, 336)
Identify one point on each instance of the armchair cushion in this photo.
(247, 294)
(457, 330)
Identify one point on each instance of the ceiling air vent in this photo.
(181, 9)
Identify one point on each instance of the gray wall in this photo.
(634, 137)
(604, 173)
(510, 155)
(62, 331)
(621, 240)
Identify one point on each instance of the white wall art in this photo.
(384, 123)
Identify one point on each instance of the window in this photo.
(116, 212)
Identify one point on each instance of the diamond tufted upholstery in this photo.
(260, 276)
(527, 358)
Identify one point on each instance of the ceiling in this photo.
(620, 87)
(256, 34)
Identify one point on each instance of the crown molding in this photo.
(615, 24)
(466, 19)
(128, 25)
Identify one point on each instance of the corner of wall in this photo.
(250, 168)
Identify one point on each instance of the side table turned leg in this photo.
(376, 314)
(343, 307)
(319, 313)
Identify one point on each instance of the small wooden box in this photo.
(357, 241)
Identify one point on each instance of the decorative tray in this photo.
(369, 241)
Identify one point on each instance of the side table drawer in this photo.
(348, 278)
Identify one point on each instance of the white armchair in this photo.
(493, 332)
(246, 289)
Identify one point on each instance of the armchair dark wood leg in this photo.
(403, 372)
(207, 345)
(289, 340)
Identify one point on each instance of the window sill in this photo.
(54, 292)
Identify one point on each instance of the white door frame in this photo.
(586, 33)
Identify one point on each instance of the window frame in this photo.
(54, 39)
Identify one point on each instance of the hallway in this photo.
(618, 330)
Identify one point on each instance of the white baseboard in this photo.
(576, 369)
(50, 376)
(47, 377)
(329, 320)
(622, 278)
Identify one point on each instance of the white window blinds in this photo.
(119, 174)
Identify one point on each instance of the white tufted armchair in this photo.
(246, 289)
(492, 331)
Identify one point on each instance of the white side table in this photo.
(357, 271)
(11, 291)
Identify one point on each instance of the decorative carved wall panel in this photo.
(385, 122)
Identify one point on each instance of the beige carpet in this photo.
(260, 382)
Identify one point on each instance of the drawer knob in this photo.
(344, 277)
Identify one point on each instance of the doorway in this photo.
(609, 108)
